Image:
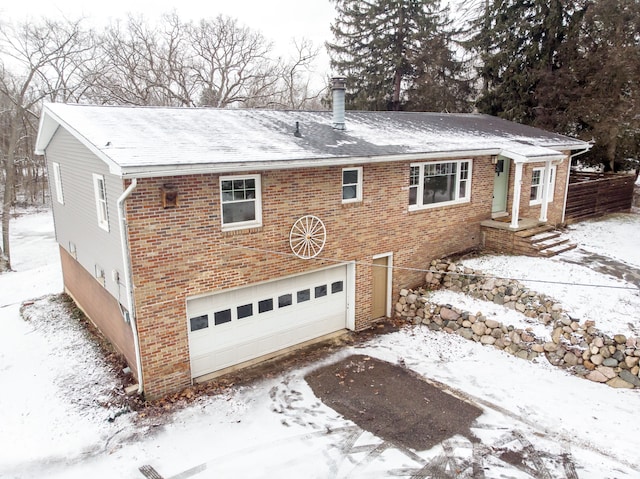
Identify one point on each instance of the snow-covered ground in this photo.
(54, 423)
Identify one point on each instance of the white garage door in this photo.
(235, 326)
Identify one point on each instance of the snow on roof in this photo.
(138, 139)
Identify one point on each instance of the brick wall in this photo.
(181, 252)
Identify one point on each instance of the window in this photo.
(285, 300)
(199, 322)
(221, 317)
(336, 287)
(351, 185)
(265, 305)
(304, 295)
(240, 197)
(245, 310)
(439, 184)
(57, 179)
(320, 291)
(100, 190)
(537, 175)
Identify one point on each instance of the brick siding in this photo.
(182, 252)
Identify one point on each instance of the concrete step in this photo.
(556, 250)
(534, 231)
(546, 236)
(550, 243)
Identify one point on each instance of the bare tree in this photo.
(296, 91)
(232, 63)
(141, 64)
(31, 49)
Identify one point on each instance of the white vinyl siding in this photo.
(537, 175)
(240, 202)
(439, 184)
(57, 181)
(351, 185)
(100, 191)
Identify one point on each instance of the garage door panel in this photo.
(261, 319)
(265, 318)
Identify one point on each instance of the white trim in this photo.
(239, 167)
(57, 179)
(550, 183)
(389, 257)
(517, 188)
(102, 208)
(351, 295)
(257, 221)
(420, 186)
(357, 184)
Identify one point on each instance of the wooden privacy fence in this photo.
(594, 194)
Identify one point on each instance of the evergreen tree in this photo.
(396, 54)
(518, 43)
(570, 66)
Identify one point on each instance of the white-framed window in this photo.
(537, 175)
(100, 191)
(57, 181)
(352, 184)
(241, 201)
(439, 184)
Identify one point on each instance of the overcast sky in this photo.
(278, 20)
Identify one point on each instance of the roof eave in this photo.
(235, 167)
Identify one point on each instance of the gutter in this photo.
(566, 186)
(128, 277)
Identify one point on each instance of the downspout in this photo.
(566, 186)
(128, 280)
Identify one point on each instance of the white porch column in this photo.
(517, 186)
(545, 191)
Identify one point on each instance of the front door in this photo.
(380, 276)
(500, 187)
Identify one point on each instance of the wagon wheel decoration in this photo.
(307, 237)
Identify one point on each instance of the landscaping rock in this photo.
(583, 348)
(630, 378)
(619, 383)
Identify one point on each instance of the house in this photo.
(203, 239)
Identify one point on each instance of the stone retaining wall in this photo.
(581, 348)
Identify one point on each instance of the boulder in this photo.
(486, 339)
(492, 323)
(620, 339)
(597, 377)
(448, 314)
(479, 328)
(630, 378)
(571, 359)
(606, 371)
(619, 383)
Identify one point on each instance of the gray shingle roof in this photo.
(144, 139)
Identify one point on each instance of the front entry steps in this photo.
(545, 241)
(531, 239)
